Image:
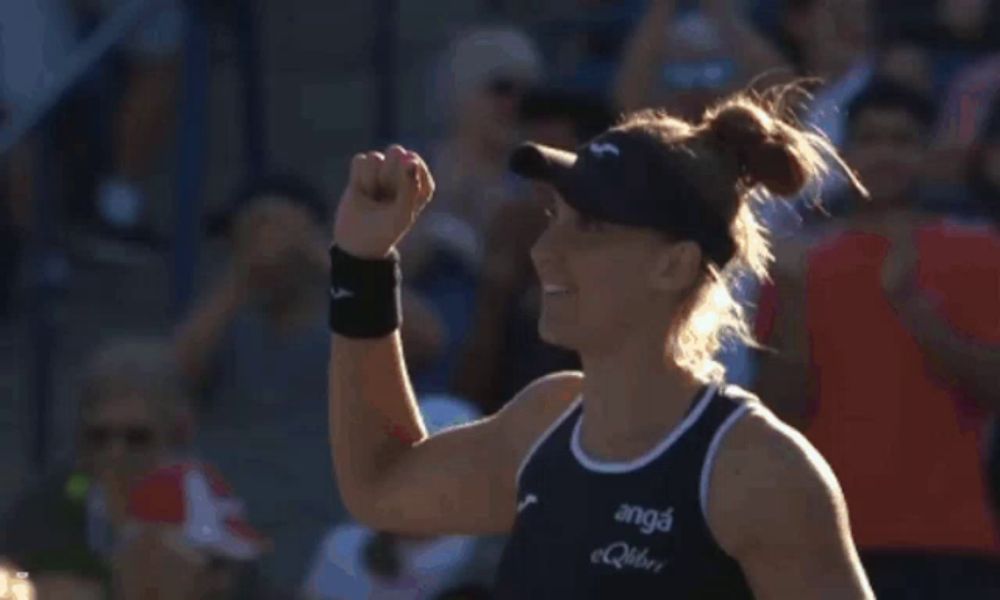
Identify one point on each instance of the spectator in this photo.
(133, 417)
(503, 351)
(887, 338)
(966, 108)
(186, 538)
(955, 32)
(258, 347)
(683, 62)
(907, 64)
(141, 123)
(488, 71)
(356, 563)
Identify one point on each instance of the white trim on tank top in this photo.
(545, 435)
(602, 466)
(713, 449)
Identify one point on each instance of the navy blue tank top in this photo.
(592, 529)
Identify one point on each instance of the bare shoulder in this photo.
(768, 477)
(536, 407)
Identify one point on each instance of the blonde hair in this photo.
(746, 149)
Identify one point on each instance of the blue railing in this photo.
(48, 269)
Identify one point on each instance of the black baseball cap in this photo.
(288, 186)
(629, 177)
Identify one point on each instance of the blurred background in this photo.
(168, 169)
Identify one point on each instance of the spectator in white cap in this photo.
(354, 562)
(134, 416)
(483, 78)
(186, 537)
(484, 75)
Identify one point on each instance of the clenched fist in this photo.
(383, 197)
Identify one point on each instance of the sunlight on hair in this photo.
(746, 150)
(705, 322)
(15, 585)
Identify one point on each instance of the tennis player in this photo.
(644, 475)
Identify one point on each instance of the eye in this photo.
(550, 212)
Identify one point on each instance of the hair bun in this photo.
(763, 147)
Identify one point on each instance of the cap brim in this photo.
(240, 541)
(556, 168)
(541, 163)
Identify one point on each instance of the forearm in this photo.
(197, 339)
(971, 366)
(373, 415)
(754, 53)
(643, 57)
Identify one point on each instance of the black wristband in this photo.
(364, 295)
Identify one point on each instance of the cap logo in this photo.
(604, 148)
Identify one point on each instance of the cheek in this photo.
(609, 291)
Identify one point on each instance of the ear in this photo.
(677, 268)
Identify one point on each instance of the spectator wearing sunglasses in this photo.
(133, 417)
(485, 73)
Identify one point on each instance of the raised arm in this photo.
(755, 54)
(197, 338)
(392, 476)
(954, 357)
(647, 49)
(643, 57)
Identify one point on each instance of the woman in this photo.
(641, 476)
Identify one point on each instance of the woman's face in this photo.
(489, 112)
(887, 147)
(595, 279)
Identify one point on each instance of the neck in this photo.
(631, 398)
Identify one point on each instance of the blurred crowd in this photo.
(202, 466)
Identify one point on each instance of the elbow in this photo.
(367, 508)
(358, 508)
(359, 500)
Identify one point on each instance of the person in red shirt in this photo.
(882, 343)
